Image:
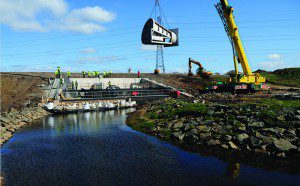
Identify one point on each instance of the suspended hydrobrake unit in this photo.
(155, 34)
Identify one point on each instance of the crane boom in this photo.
(226, 14)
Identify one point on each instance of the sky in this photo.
(39, 35)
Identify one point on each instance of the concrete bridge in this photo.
(106, 88)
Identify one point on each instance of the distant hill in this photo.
(286, 76)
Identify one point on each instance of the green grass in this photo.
(192, 109)
(166, 134)
(287, 77)
(267, 115)
(144, 126)
(220, 78)
(271, 103)
(172, 108)
(275, 104)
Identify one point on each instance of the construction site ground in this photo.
(19, 90)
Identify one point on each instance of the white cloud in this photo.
(33, 68)
(22, 15)
(273, 62)
(47, 15)
(86, 20)
(90, 50)
(180, 70)
(274, 57)
(92, 14)
(96, 59)
(271, 65)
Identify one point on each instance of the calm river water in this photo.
(98, 148)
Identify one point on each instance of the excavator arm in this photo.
(195, 62)
(200, 70)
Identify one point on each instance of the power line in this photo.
(276, 49)
(215, 54)
(256, 51)
(97, 45)
(120, 59)
(126, 28)
(82, 39)
(253, 21)
(192, 41)
(251, 27)
(213, 14)
(73, 35)
(251, 40)
(260, 36)
(138, 31)
(57, 51)
(238, 13)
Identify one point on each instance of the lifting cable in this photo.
(158, 8)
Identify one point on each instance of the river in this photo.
(98, 148)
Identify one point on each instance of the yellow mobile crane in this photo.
(252, 81)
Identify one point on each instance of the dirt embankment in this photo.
(182, 82)
(20, 95)
(19, 91)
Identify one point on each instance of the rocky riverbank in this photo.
(14, 120)
(269, 127)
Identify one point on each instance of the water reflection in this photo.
(233, 170)
(50, 121)
(82, 123)
(97, 148)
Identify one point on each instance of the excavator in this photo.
(248, 80)
(200, 71)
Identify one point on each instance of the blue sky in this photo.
(40, 35)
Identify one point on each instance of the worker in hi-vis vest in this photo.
(83, 74)
(89, 74)
(61, 81)
(58, 72)
(69, 74)
(76, 85)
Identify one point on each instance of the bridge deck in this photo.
(116, 94)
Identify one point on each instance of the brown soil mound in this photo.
(18, 91)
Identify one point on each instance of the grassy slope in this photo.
(287, 77)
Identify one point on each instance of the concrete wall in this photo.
(86, 83)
